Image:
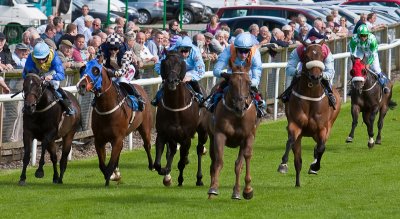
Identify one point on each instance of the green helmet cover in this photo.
(362, 29)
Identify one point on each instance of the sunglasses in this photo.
(184, 50)
(43, 59)
(363, 35)
(243, 50)
(114, 49)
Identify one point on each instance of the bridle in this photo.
(239, 97)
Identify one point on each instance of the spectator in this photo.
(6, 61)
(119, 30)
(294, 28)
(26, 39)
(335, 15)
(42, 28)
(278, 38)
(303, 34)
(173, 39)
(254, 30)
(34, 38)
(265, 36)
(362, 20)
(20, 54)
(93, 46)
(88, 29)
(220, 37)
(371, 19)
(329, 34)
(237, 32)
(79, 53)
(173, 27)
(199, 40)
(80, 21)
(145, 53)
(303, 22)
(103, 36)
(120, 21)
(4, 86)
(65, 54)
(214, 25)
(135, 48)
(212, 46)
(342, 29)
(110, 29)
(318, 30)
(96, 26)
(158, 41)
(70, 34)
(288, 34)
(49, 33)
(59, 24)
(166, 42)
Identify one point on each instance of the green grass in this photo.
(354, 182)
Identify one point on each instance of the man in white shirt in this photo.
(145, 53)
(80, 21)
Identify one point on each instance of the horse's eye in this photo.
(95, 71)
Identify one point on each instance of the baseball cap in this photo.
(2, 36)
(209, 35)
(66, 42)
(21, 46)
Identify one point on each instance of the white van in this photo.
(16, 16)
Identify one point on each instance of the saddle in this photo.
(128, 90)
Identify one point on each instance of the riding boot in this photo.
(285, 96)
(65, 102)
(139, 98)
(329, 92)
(383, 82)
(196, 88)
(260, 103)
(211, 102)
(157, 98)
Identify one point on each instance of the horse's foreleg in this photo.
(202, 139)
(216, 154)
(116, 145)
(238, 170)
(66, 149)
(355, 111)
(319, 150)
(27, 139)
(39, 172)
(382, 114)
(145, 132)
(184, 152)
(248, 153)
(101, 154)
(297, 159)
(283, 167)
(166, 171)
(369, 118)
(52, 149)
(160, 144)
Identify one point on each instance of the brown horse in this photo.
(178, 120)
(367, 97)
(112, 118)
(233, 123)
(308, 112)
(43, 120)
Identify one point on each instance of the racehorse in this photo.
(308, 112)
(43, 120)
(178, 119)
(112, 118)
(367, 97)
(233, 123)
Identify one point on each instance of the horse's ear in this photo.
(82, 70)
(183, 69)
(321, 42)
(364, 60)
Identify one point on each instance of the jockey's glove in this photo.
(110, 72)
(225, 76)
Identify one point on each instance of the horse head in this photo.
(358, 74)
(91, 77)
(33, 88)
(238, 93)
(173, 69)
(313, 65)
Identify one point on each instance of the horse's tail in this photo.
(392, 104)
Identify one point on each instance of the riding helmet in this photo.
(363, 29)
(114, 40)
(41, 50)
(244, 40)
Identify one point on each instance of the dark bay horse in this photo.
(368, 97)
(177, 120)
(112, 118)
(43, 120)
(233, 123)
(308, 112)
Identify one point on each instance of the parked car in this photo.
(245, 22)
(268, 10)
(77, 8)
(116, 6)
(149, 10)
(214, 5)
(387, 3)
(393, 13)
(193, 11)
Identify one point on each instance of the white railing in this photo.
(277, 65)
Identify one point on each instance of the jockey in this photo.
(119, 62)
(364, 45)
(194, 67)
(294, 67)
(46, 63)
(242, 52)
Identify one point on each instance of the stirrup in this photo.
(386, 90)
(69, 111)
(332, 100)
(154, 102)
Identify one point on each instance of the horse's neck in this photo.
(178, 97)
(370, 80)
(107, 94)
(46, 98)
(306, 88)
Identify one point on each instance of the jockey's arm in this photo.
(329, 71)
(291, 66)
(125, 63)
(157, 66)
(353, 45)
(256, 69)
(199, 66)
(222, 62)
(373, 47)
(56, 65)
(29, 67)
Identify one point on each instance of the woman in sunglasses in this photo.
(364, 45)
(120, 63)
(242, 52)
(195, 67)
(45, 62)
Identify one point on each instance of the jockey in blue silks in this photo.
(46, 63)
(195, 67)
(242, 52)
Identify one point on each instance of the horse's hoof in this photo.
(283, 168)
(167, 180)
(107, 183)
(60, 181)
(211, 196)
(310, 171)
(199, 183)
(55, 181)
(39, 174)
(22, 183)
(315, 167)
(204, 151)
(371, 145)
(248, 195)
(378, 141)
(235, 195)
(349, 140)
(212, 191)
